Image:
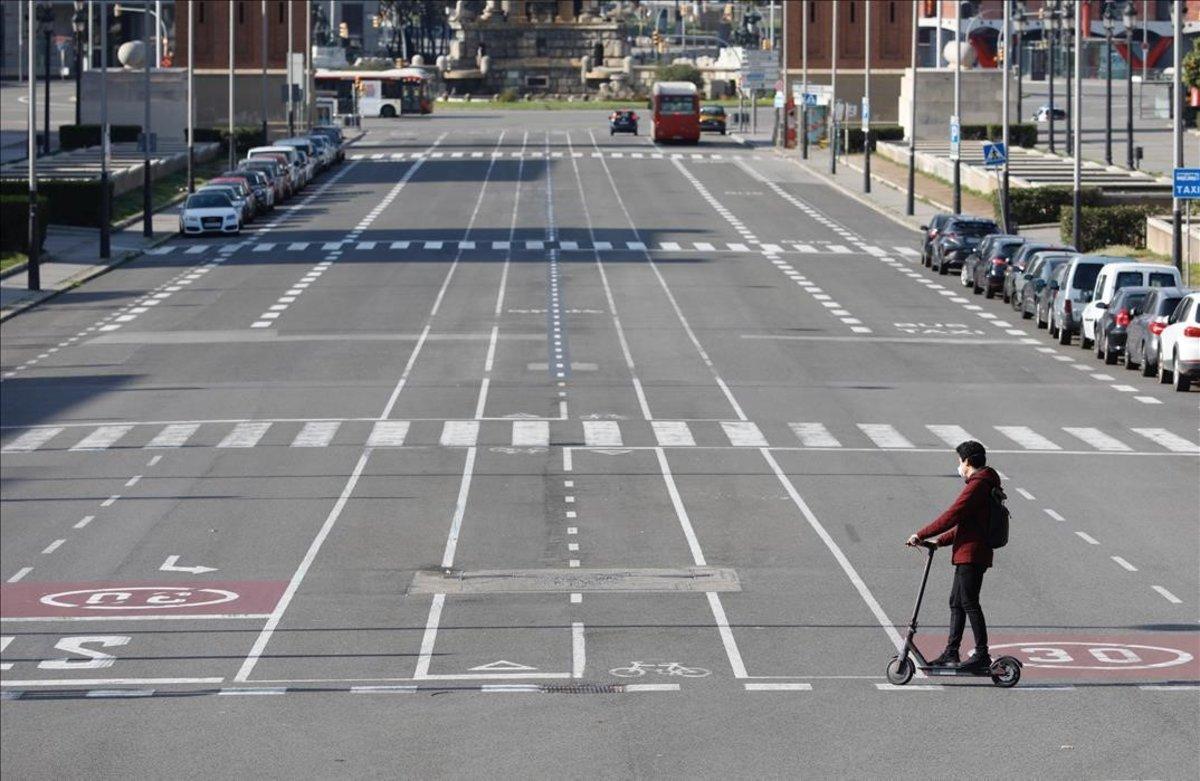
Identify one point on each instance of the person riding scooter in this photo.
(965, 526)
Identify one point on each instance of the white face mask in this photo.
(962, 469)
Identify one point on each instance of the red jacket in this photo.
(965, 523)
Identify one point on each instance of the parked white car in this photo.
(299, 170)
(1179, 345)
(209, 212)
(1113, 277)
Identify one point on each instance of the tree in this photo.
(680, 72)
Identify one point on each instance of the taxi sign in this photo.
(995, 155)
(1187, 184)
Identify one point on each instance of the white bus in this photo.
(386, 93)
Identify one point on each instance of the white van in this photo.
(1113, 277)
(299, 170)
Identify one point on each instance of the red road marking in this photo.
(138, 598)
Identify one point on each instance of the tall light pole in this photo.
(1069, 26)
(833, 95)
(191, 102)
(308, 74)
(158, 37)
(910, 204)
(263, 46)
(147, 194)
(232, 140)
(1077, 164)
(1018, 23)
(804, 77)
(34, 276)
(866, 101)
(291, 108)
(1005, 74)
(1128, 18)
(105, 147)
(1109, 22)
(955, 120)
(79, 25)
(45, 15)
(1177, 126)
(1049, 12)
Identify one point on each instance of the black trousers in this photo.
(964, 603)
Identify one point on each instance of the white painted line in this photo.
(22, 572)
(1089, 539)
(927, 687)
(578, 650)
(53, 546)
(1097, 439)
(951, 435)
(1124, 388)
(1170, 687)
(743, 434)
(31, 440)
(885, 436)
(175, 435)
(385, 689)
(576, 598)
(460, 508)
(1172, 442)
(672, 433)
(252, 692)
(736, 247)
(1167, 595)
(316, 433)
(601, 433)
(727, 639)
(460, 433)
(814, 435)
(1053, 514)
(84, 521)
(1125, 565)
(1147, 399)
(388, 433)
(131, 482)
(76, 682)
(606, 245)
(265, 246)
(634, 245)
(433, 245)
(365, 245)
(704, 246)
(399, 245)
(778, 687)
(1025, 494)
(102, 438)
(651, 687)
(115, 693)
(531, 433)
(1027, 438)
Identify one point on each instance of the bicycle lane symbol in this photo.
(670, 669)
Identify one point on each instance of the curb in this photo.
(17, 269)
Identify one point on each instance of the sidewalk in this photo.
(71, 257)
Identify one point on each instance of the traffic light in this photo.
(375, 21)
(343, 31)
(657, 38)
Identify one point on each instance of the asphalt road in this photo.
(505, 408)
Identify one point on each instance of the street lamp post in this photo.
(1018, 23)
(866, 103)
(1050, 13)
(45, 16)
(191, 105)
(263, 47)
(147, 199)
(1005, 73)
(956, 120)
(1109, 23)
(833, 141)
(1069, 25)
(79, 24)
(33, 248)
(1128, 18)
(232, 137)
(105, 149)
(291, 109)
(910, 203)
(1077, 28)
(804, 78)
(1177, 128)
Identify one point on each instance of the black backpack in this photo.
(997, 519)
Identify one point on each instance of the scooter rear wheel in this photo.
(1006, 671)
(900, 670)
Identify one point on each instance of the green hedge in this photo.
(1101, 226)
(247, 136)
(68, 203)
(1023, 134)
(78, 136)
(880, 133)
(1037, 205)
(14, 222)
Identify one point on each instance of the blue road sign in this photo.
(995, 155)
(1187, 183)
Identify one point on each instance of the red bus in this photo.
(676, 107)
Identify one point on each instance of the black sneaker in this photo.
(976, 662)
(948, 658)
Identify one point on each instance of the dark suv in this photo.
(987, 265)
(931, 233)
(622, 121)
(959, 239)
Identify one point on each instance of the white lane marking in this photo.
(1172, 442)
(743, 434)
(1053, 514)
(118, 693)
(778, 687)
(884, 436)
(281, 606)
(106, 681)
(131, 482)
(672, 433)
(316, 433)
(298, 245)
(460, 509)
(265, 246)
(1123, 564)
(738, 247)
(31, 440)
(385, 689)
(704, 246)
(727, 639)
(244, 435)
(53, 546)
(909, 251)
(927, 687)
(651, 687)
(1097, 439)
(1147, 399)
(1167, 595)
(460, 433)
(1170, 687)
(1089, 539)
(102, 438)
(859, 584)
(175, 435)
(568, 245)
(814, 435)
(1027, 438)
(84, 521)
(399, 245)
(601, 433)
(531, 433)
(533, 244)
(578, 650)
(951, 435)
(20, 574)
(1025, 494)
(670, 246)
(388, 433)
(433, 245)
(253, 692)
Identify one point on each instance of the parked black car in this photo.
(1146, 323)
(931, 233)
(1017, 266)
(989, 265)
(1037, 283)
(1113, 325)
(958, 239)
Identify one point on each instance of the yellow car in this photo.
(712, 119)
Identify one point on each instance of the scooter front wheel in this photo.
(900, 670)
(1006, 671)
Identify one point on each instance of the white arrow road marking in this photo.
(172, 565)
(501, 665)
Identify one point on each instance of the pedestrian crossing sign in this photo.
(995, 155)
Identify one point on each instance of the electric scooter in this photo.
(1004, 671)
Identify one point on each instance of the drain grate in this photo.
(583, 688)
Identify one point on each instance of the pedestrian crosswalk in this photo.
(542, 433)
(537, 245)
(539, 154)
